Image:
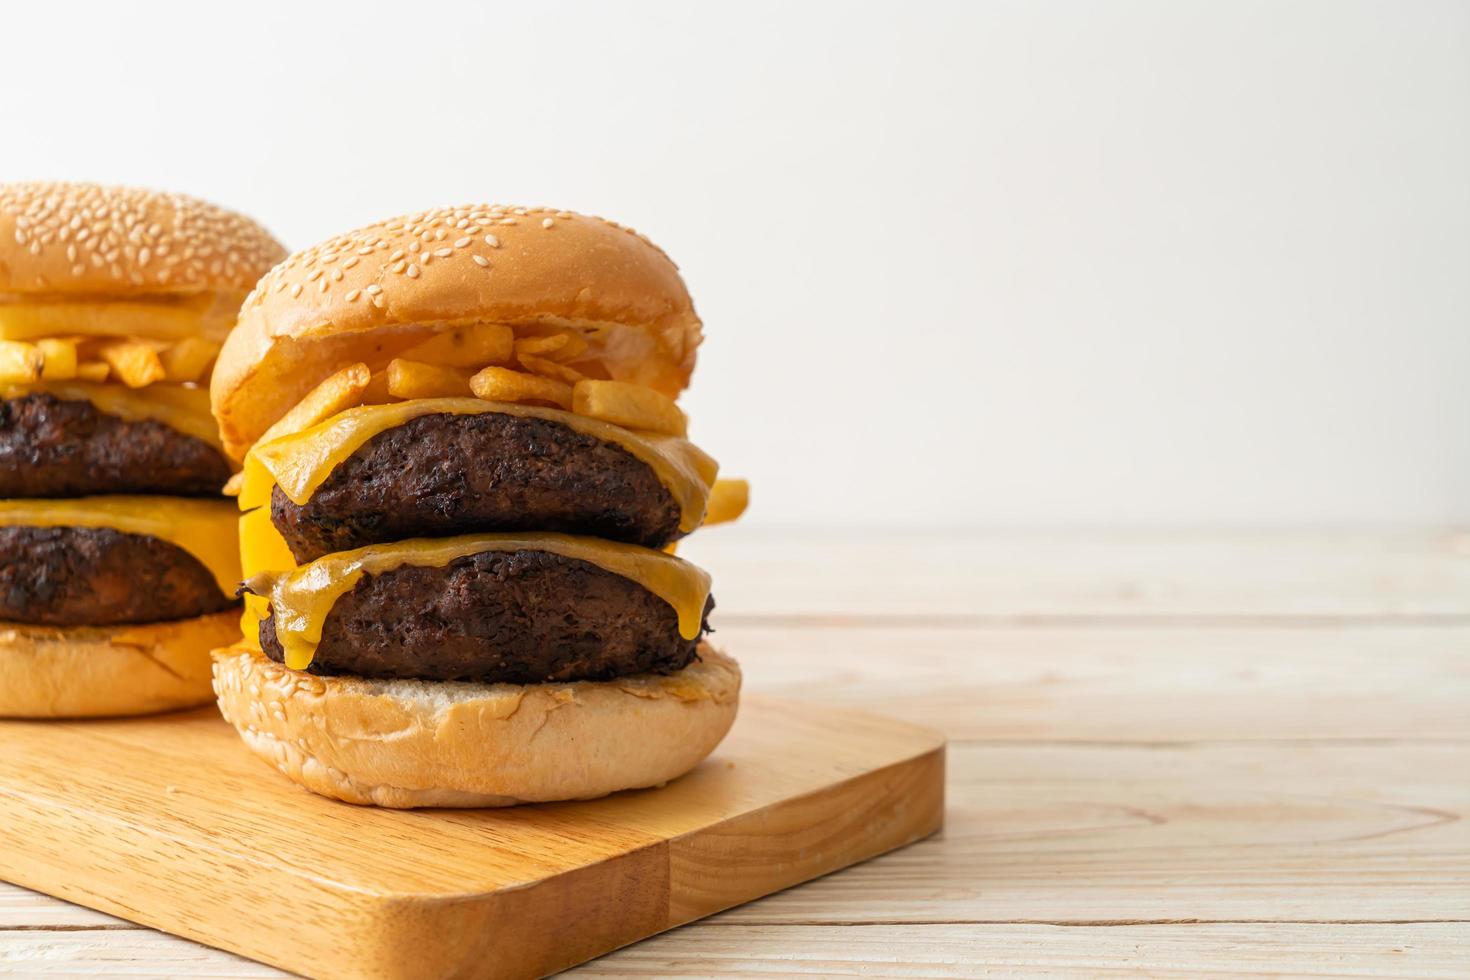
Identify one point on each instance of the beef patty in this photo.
(95, 576)
(519, 617)
(452, 474)
(55, 448)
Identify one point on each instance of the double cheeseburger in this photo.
(117, 562)
(463, 475)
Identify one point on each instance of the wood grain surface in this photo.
(1203, 753)
(165, 821)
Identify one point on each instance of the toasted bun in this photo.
(93, 671)
(417, 743)
(365, 295)
(88, 239)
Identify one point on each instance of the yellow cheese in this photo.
(183, 409)
(301, 462)
(262, 549)
(301, 599)
(257, 608)
(203, 528)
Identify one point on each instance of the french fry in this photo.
(560, 347)
(574, 348)
(727, 501)
(61, 359)
(133, 361)
(166, 319)
(188, 359)
(341, 391)
(541, 345)
(376, 393)
(629, 405)
(93, 371)
(412, 379)
(548, 368)
(498, 384)
(20, 363)
(472, 346)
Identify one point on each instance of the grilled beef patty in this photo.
(55, 448)
(438, 475)
(519, 617)
(96, 576)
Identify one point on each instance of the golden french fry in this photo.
(175, 318)
(61, 358)
(412, 379)
(727, 501)
(472, 346)
(188, 359)
(498, 384)
(94, 371)
(537, 346)
(134, 361)
(234, 484)
(548, 368)
(20, 363)
(629, 405)
(376, 393)
(574, 348)
(341, 391)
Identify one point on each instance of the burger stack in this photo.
(463, 474)
(117, 562)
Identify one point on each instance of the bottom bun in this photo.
(97, 671)
(407, 743)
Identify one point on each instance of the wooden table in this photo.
(1181, 753)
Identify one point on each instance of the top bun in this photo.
(369, 293)
(86, 239)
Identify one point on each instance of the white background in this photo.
(1008, 263)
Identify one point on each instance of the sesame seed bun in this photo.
(90, 240)
(95, 671)
(403, 743)
(365, 295)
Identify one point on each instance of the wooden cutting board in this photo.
(170, 822)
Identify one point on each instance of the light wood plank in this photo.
(21, 908)
(962, 951)
(135, 953)
(1089, 833)
(1030, 575)
(1092, 833)
(1127, 684)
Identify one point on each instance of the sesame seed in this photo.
(398, 266)
(462, 242)
(413, 272)
(547, 222)
(443, 253)
(296, 290)
(352, 295)
(492, 241)
(374, 289)
(481, 261)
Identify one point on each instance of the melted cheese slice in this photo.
(183, 409)
(299, 463)
(301, 599)
(203, 528)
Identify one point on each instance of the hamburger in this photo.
(463, 473)
(117, 559)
